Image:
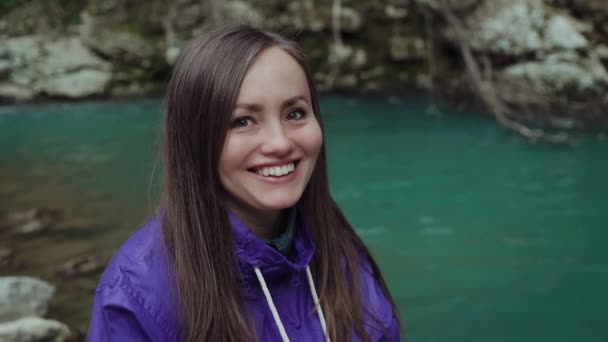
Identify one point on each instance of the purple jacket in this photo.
(133, 301)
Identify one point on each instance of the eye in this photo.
(243, 121)
(296, 114)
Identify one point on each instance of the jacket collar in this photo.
(252, 251)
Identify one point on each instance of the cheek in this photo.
(314, 141)
(231, 155)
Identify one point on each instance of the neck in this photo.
(264, 224)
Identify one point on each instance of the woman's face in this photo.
(274, 138)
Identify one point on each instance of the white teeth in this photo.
(277, 171)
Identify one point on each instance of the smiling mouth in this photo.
(277, 170)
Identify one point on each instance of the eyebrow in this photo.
(287, 103)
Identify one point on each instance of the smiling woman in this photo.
(248, 244)
(273, 143)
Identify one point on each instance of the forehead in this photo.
(273, 76)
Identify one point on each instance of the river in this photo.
(481, 235)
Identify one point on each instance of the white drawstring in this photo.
(273, 309)
(275, 313)
(311, 284)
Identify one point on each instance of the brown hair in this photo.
(201, 95)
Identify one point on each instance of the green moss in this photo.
(8, 5)
(60, 13)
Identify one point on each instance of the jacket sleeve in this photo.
(394, 334)
(118, 315)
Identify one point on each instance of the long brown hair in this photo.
(201, 95)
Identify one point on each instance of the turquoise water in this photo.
(481, 235)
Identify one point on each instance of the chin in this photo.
(279, 203)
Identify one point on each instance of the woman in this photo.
(249, 238)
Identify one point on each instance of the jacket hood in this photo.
(252, 251)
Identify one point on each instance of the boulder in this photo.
(563, 73)
(34, 329)
(82, 265)
(41, 65)
(518, 27)
(16, 92)
(80, 83)
(23, 296)
(34, 221)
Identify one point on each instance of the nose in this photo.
(276, 140)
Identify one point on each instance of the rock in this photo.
(406, 48)
(602, 52)
(35, 220)
(241, 11)
(563, 34)
(517, 27)
(82, 266)
(34, 329)
(32, 227)
(33, 214)
(16, 92)
(119, 46)
(23, 296)
(41, 65)
(77, 84)
(68, 54)
(18, 52)
(560, 74)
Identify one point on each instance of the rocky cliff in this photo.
(72, 49)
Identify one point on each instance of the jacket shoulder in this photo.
(380, 318)
(136, 287)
